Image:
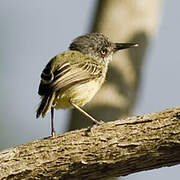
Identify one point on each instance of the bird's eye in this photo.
(103, 52)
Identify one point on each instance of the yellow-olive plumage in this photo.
(71, 79)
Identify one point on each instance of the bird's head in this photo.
(98, 46)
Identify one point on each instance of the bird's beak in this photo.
(119, 46)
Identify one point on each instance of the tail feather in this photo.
(45, 104)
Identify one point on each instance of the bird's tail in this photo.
(45, 104)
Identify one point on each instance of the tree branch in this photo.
(115, 148)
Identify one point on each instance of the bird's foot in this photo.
(95, 124)
(53, 133)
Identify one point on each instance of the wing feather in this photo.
(74, 76)
(66, 76)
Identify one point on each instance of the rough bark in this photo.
(121, 21)
(116, 148)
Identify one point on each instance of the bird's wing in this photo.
(67, 75)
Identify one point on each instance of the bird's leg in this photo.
(53, 133)
(85, 113)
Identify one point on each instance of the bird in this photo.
(72, 78)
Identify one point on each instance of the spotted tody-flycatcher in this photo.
(72, 78)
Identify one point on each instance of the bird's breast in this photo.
(80, 95)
